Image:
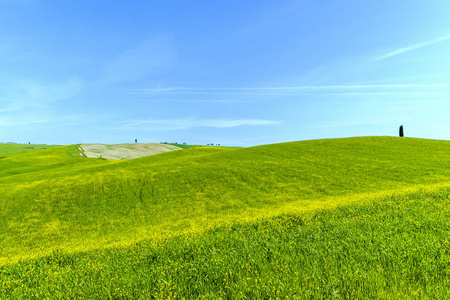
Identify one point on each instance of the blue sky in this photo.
(225, 72)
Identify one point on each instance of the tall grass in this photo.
(390, 248)
(54, 199)
(351, 218)
(9, 148)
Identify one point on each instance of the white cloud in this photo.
(29, 119)
(151, 57)
(180, 124)
(14, 122)
(28, 93)
(299, 90)
(380, 121)
(301, 87)
(55, 92)
(403, 50)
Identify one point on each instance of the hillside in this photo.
(11, 148)
(79, 220)
(54, 199)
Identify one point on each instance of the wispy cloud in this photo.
(28, 93)
(302, 87)
(396, 94)
(270, 17)
(297, 90)
(403, 50)
(151, 57)
(30, 119)
(180, 124)
(181, 100)
(380, 121)
(14, 122)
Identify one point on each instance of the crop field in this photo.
(125, 151)
(346, 218)
(6, 149)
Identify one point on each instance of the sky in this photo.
(234, 72)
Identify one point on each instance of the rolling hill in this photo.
(55, 200)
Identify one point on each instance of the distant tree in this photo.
(400, 133)
(135, 140)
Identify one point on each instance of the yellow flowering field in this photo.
(351, 218)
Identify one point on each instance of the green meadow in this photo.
(11, 148)
(355, 218)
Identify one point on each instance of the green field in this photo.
(351, 218)
(9, 148)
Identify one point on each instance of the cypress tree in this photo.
(401, 131)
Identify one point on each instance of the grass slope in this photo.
(199, 198)
(393, 248)
(7, 149)
(54, 199)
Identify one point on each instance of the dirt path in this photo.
(125, 151)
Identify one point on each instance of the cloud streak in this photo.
(9, 122)
(297, 90)
(31, 94)
(31, 119)
(152, 57)
(303, 87)
(181, 124)
(407, 49)
(381, 121)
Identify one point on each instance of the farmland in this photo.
(352, 218)
(124, 151)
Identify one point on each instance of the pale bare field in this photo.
(125, 151)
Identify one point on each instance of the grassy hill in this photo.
(10, 148)
(251, 206)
